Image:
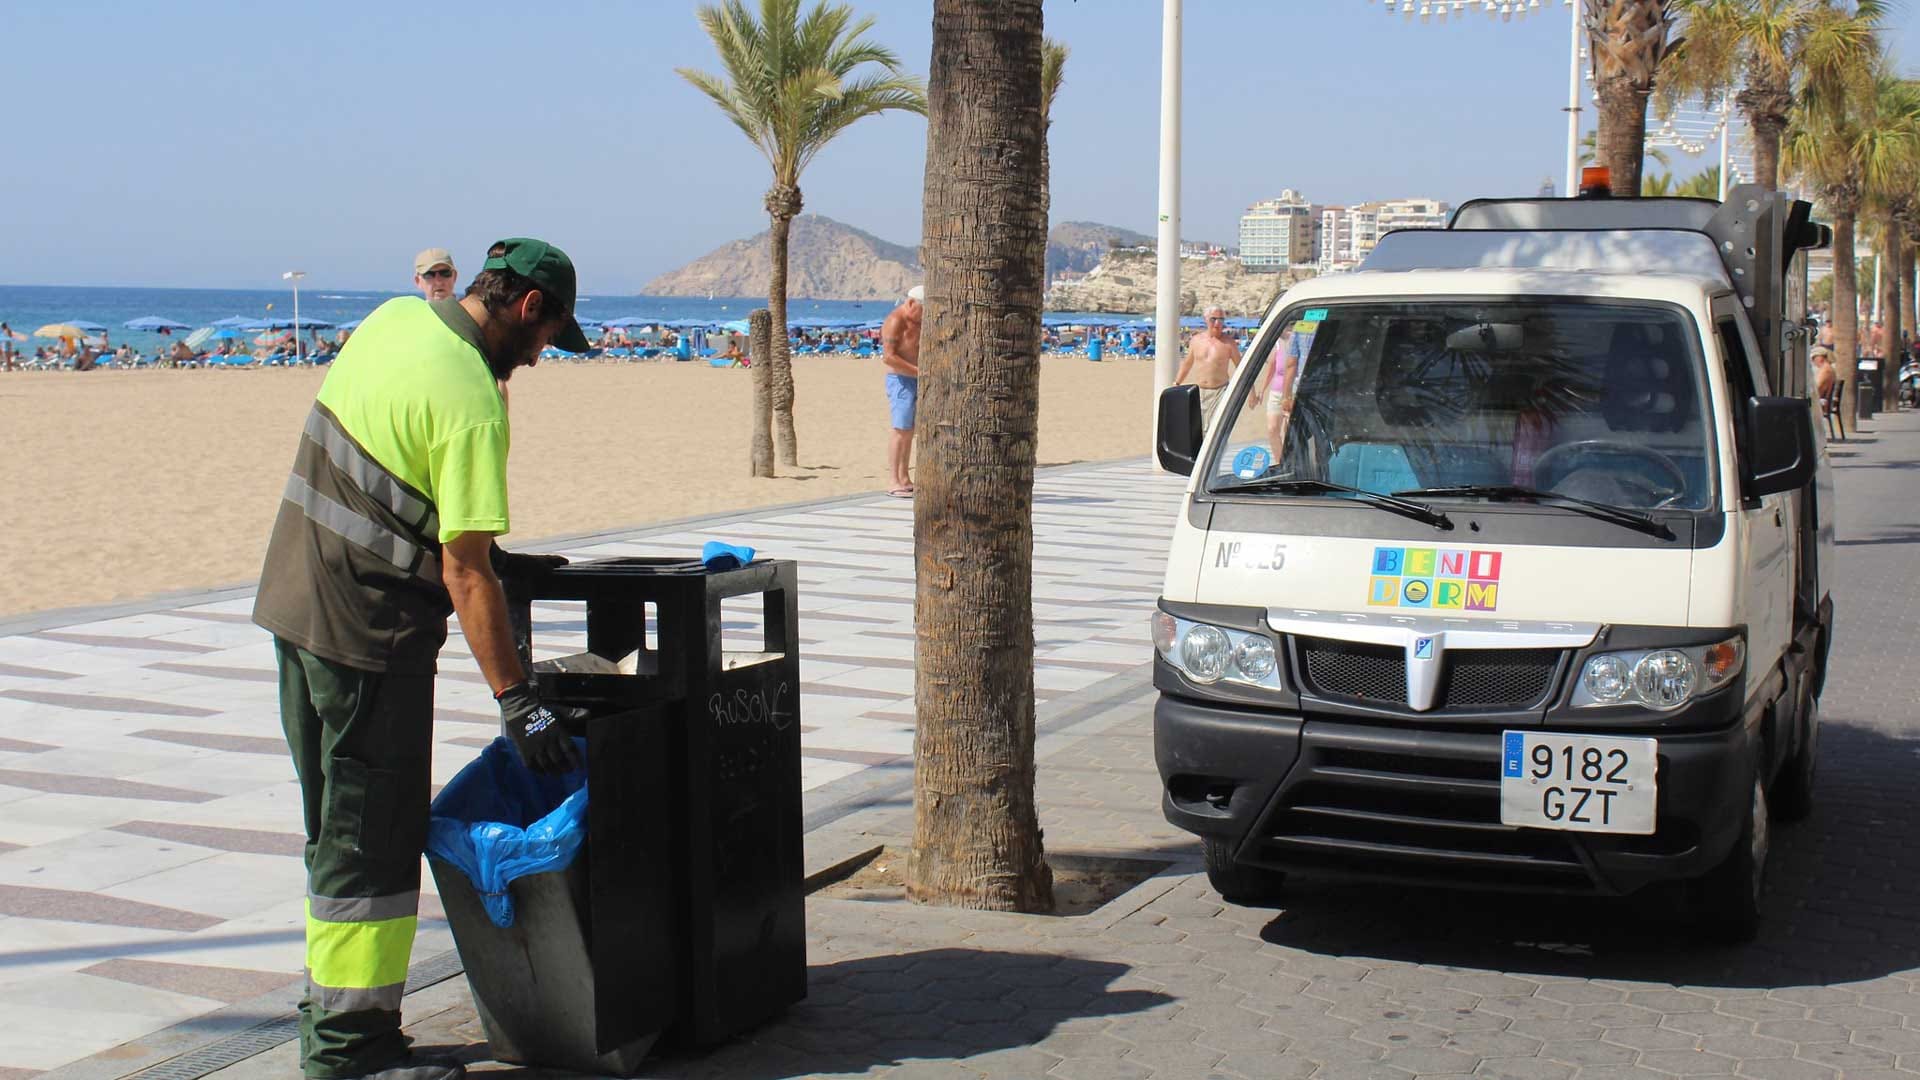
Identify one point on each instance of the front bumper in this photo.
(1313, 795)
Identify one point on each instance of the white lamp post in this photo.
(1166, 310)
(299, 353)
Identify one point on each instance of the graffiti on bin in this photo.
(749, 707)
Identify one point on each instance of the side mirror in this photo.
(1180, 429)
(1779, 445)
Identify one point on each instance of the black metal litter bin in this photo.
(1866, 394)
(694, 862)
(582, 980)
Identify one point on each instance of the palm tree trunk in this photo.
(1623, 135)
(1765, 105)
(976, 837)
(1846, 315)
(760, 452)
(783, 205)
(1889, 344)
(1908, 311)
(1910, 316)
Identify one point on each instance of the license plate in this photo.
(1582, 783)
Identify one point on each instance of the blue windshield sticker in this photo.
(1314, 314)
(1251, 462)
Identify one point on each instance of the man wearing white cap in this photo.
(900, 351)
(433, 273)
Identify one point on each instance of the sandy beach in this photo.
(118, 485)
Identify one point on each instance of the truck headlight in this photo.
(1204, 652)
(1254, 657)
(1658, 679)
(1209, 654)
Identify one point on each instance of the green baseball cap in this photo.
(549, 268)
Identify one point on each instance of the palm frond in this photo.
(1053, 66)
(791, 81)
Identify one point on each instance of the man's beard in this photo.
(518, 350)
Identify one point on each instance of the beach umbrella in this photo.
(239, 322)
(60, 330)
(285, 322)
(350, 324)
(199, 337)
(155, 322)
(89, 327)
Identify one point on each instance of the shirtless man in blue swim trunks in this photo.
(900, 351)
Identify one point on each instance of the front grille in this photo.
(1470, 678)
(1355, 669)
(1483, 678)
(1359, 802)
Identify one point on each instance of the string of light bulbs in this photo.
(1428, 10)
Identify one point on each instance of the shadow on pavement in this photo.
(881, 1011)
(1841, 903)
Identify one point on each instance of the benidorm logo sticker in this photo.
(1447, 579)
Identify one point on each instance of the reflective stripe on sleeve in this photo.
(352, 527)
(369, 476)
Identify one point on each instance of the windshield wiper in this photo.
(1405, 507)
(1619, 515)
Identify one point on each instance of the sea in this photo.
(26, 308)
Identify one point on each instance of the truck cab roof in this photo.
(1684, 287)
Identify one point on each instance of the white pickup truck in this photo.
(1503, 563)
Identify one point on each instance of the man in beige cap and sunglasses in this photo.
(434, 274)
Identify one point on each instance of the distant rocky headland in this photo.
(1094, 267)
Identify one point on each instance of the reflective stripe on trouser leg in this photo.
(358, 950)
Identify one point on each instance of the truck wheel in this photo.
(1727, 899)
(1236, 882)
(1792, 796)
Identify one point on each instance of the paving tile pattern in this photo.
(149, 819)
(1381, 983)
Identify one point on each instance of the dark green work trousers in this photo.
(362, 744)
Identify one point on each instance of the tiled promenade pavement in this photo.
(150, 879)
(1168, 981)
(1343, 983)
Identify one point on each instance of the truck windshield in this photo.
(1598, 401)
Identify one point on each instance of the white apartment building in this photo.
(1276, 234)
(1413, 214)
(1336, 238)
(1348, 233)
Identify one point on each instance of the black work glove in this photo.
(539, 732)
(520, 564)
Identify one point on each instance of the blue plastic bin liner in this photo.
(498, 820)
(719, 556)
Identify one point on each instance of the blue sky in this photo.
(217, 142)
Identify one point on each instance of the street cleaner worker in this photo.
(399, 486)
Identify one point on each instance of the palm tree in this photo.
(1053, 68)
(1763, 47)
(1589, 151)
(1704, 184)
(1628, 40)
(1891, 199)
(976, 835)
(1848, 143)
(1652, 186)
(790, 85)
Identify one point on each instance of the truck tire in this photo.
(1792, 794)
(1727, 900)
(1236, 882)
